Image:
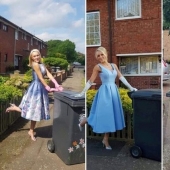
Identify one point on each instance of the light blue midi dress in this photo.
(35, 102)
(106, 114)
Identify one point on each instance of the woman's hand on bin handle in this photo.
(134, 89)
(59, 89)
(79, 94)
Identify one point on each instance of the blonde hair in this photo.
(103, 50)
(30, 59)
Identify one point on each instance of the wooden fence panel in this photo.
(126, 134)
(7, 119)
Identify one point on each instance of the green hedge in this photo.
(57, 62)
(9, 92)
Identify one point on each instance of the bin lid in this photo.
(149, 94)
(68, 97)
(168, 94)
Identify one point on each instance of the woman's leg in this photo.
(83, 121)
(31, 131)
(13, 107)
(106, 140)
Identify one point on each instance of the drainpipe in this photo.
(14, 48)
(110, 29)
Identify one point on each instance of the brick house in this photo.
(131, 32)
(16, 44)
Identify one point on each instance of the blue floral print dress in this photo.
(35, 102)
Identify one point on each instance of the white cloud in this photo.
(38, 14)
(63, 36)
(48, 19)
(78, 24)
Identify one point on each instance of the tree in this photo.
(166, 14)
(53, 47)
(68, 48)
(80, 58)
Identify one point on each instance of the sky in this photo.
(49, 19)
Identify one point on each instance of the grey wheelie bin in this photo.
(68, 142)
(147, 124)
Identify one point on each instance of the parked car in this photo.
(76, 64)
(166, 71)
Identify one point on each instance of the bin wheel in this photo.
(50, 146)
(136, 151)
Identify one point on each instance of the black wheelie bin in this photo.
(146, 124)
(68, 142)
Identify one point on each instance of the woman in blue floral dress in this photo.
(35, 103)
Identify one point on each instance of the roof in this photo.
(7, 22)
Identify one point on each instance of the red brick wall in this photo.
(10, 46)
(6, 47)
(141, 35)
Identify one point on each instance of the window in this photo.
(5, 27)
(140, 65)
(93, 29)
(31, 41)
(28, 47)
(16, 34)
(25, 37)
(22, 35)
(128, 9)
(5, 57)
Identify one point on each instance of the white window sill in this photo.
(130, 75)
(124, 18)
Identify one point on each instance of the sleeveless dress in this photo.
(106, 114)
(35, 102)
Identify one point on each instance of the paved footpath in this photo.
(166, 126)
(18, 152)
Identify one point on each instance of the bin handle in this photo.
(156, 96)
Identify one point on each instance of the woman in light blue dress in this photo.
(35, 103)
(106, 114)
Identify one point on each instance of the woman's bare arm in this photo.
(95, 73)
(49, 75)
(119, 74)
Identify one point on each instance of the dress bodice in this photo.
(107, 76)
(43, 71)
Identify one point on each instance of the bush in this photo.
(57, 62)
(19, 82)
(90, 96)
(3, 79)
(126, 101)
(25, 64)
(9, 92)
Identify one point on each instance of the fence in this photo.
(126, 134)
(7, 119)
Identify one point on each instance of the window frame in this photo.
(31, 41)
(139, 64)
(5, 57)
(93, 45)
(132, 17)
(5, 27)
(25, 36)
(16, 34)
